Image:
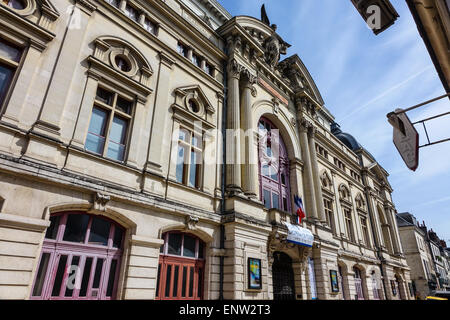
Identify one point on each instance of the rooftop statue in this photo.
(274, 46)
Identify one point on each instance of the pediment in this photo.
(296, 72)
(193, 99)
(381, 175)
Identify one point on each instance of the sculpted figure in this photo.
(274, 46)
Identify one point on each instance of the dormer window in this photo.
(15, 4)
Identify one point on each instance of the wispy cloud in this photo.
(386, 92)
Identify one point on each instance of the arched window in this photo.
(80, 258)
(181, 267)
(273, 168)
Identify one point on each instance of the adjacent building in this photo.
(154, 150)
(426, 254)
(418, 255)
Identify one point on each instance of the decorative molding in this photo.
(191, 223)
(100, 202)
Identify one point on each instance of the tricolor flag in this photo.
(300, 210)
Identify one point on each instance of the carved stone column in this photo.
(310, 203)
(249, 166)
(315, 173)
(233, 135)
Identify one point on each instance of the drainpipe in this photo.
(222, 201)
(371, 217)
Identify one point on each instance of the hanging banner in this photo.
(299, 235)
(312, 279)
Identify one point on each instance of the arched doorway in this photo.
(273, 167)
(283, 277)
(80, 258)
(358, 284)
(181, 267)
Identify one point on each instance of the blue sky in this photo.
(362, 77)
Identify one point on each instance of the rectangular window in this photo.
(109, 125)
(196, 60)
(365, 231)
(132, 12)
(117, 135)
(349, 224)
(267, 200)
(183, 50)
(189, 159)
(209, 69)
(328, 206)
(95, 141)
(9, 61)
(115, 3)
(150, 26)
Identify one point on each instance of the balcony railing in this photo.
(277, 216)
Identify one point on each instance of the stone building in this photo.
(418, 255)
(116, 117)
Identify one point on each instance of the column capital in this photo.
(234, 69)
(312, 130)
(248, 79)
(304, 125)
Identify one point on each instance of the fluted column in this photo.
(310, 203)
(315, 173)
(233, 135)
(249, 165)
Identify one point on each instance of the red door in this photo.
(181, 279)
(181, 268)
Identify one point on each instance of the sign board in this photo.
(406, 138)
(299, 235)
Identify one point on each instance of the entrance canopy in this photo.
(299, 235)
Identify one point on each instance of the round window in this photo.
(15, 4)
(194, 106)
(122, 63)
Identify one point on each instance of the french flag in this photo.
(300, 209)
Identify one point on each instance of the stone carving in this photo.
(276, 105)
(274, 46)
(304, 253)
(235, 69)
(191, 223)
(248, 77)
(100, 201)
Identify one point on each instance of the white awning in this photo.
(299, 235)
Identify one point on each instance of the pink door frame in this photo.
(57, 249)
